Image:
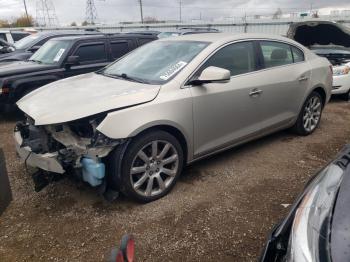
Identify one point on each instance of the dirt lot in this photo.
(222, 208)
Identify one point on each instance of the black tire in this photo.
(298, 127)
(122, 181)
(346, 96)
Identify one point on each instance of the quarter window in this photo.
(143, 41)
(92, 52)
(276, 54)
(119, 49)
(239, 58)
(298, 55)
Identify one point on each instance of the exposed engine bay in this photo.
(328, 39)
(63, 148)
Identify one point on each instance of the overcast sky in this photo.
(113, 11)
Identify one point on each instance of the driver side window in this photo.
(238, 58)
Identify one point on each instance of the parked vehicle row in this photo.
(132, 126)
(63, 57)
(12, 36)
(330, 40)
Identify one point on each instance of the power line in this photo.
(45, 13)
(91, 12)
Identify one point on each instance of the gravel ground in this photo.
(221, 209)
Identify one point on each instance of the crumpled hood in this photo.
(81, 96)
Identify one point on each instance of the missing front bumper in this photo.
(47, 161)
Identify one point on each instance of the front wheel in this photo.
(310, 115)
(346, 96)
(151, 166)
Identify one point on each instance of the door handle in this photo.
(303, 78)
(255, 92)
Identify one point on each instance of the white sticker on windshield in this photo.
(59, 54)
(173, 70)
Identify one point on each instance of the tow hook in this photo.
(43, 178)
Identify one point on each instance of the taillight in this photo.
(4, 90)
(128, 248)
(120, 257)
(126, 251)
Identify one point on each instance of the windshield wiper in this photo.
(125, 76)
(134, 79)
(36, 61)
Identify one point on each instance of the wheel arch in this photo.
(171, 129)
(321, 91)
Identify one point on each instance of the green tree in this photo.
(23, 21)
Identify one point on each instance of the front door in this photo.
(225, 113)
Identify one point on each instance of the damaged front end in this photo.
(75, 147)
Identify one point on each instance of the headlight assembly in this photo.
(310, 231)
(343, 70)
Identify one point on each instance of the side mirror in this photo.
(72, 60)
(35, 48)
(212, 74)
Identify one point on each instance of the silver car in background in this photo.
(133, 126)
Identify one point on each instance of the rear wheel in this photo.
(310, 115)
(151, 166)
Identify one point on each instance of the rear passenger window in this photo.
(298, 55)
(119, 49)
(239, 58)
(3, 37)
(92, 52)
(143, 41)
(276, 54)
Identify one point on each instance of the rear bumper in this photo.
(47, 161)
(341, 84)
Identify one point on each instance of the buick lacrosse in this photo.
(132, 126)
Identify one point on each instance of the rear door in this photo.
(283, 81)
(120, 47)
(92, 55)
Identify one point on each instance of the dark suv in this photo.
(64, 57)
(28, 45)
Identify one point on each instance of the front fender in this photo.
(172, 108)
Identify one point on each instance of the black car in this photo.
(5, 47)
(64, 57)
(28, 45)
(318, 226)
(145, 32)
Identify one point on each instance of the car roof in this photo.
(101, 35)
(225, 37)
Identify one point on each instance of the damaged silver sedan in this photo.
(132, 126)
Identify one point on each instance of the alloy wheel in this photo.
(154, 168)
(312, 113)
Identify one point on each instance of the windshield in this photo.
(51, 52)
(26, 42)
(156, 62)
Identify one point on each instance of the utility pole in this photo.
(25, 7)
(180, 7)
(141, 12)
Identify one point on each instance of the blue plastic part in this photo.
(93, 171)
